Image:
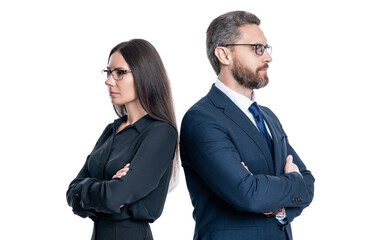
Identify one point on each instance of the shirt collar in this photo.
(139, 125)
(143, 122)
(240, 100)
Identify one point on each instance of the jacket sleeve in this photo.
(153, 157)
(75, 187)
(207, 148)
(291, 212)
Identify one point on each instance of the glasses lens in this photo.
(118, 74)
(105, 74)
(259, 49)
(269, 49)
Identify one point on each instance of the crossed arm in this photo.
(151, 161)
(208, 149)
(289, 167)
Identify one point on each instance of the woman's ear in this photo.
(223, 55)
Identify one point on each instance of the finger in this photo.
(119, 175)
(279, 214)
(246, 168)
(282, 210)
(276, 213)
(289, 158)
(123, 170)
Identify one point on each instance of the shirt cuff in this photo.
(282, 218)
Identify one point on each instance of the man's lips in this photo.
(263, 70)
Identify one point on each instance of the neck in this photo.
(230, 82)
(135, 112)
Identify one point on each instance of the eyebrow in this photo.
(118, 68)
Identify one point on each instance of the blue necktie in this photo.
(254, 110)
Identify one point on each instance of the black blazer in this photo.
(149, 146)
(229, 202)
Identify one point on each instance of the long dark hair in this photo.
(152, 86)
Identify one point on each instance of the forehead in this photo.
(117, 60)
(252, 33)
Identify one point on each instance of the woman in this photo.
(124, 181)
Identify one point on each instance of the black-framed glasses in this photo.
(117, 74)
(258, 48)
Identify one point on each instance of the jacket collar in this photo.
(220, 100)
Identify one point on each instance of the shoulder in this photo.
(109, 126)
(204, 122)
(161, 129)
(105, 134)
(203, 110)
(108, 129)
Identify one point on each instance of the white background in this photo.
(54, 104)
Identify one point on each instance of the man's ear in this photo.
(223, 55)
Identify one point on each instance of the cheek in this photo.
(248, 62)
(253, 66)
(132, 90)
(127, 88)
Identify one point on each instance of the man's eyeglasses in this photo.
(258, 48)
(117, 74)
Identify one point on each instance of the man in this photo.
(245, 180)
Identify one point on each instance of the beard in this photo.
(246, 78)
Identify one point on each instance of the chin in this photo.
(116, 101)
(263, 81)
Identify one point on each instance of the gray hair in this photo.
(224, 30)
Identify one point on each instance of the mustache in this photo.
(262, 67)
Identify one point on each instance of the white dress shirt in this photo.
(241, 101)
(244, 103)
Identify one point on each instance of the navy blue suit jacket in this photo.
(229, 202)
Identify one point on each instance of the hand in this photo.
(122, 172)
(290, 166)
(279, 212)
(246, 167)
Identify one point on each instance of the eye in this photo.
(120, 73)
(259, 49)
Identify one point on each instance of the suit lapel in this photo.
(276, 141)
(220, 100)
